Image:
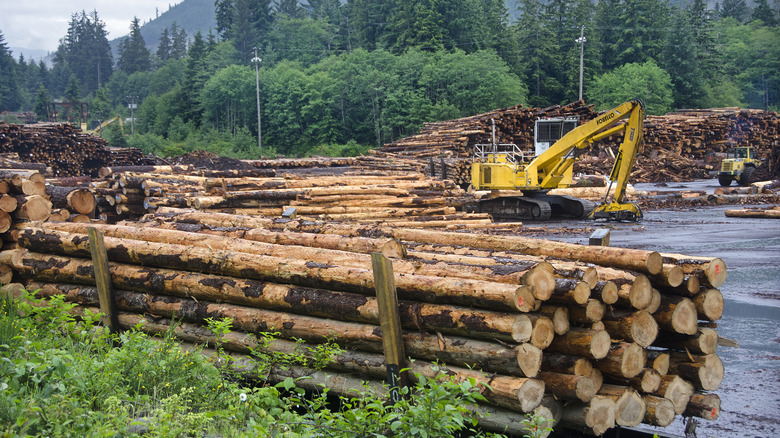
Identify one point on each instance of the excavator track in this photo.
(513, 208)
(536, 207)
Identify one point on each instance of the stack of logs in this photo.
(677, 145)
(70, 151)
(356, 195)
(587, 336)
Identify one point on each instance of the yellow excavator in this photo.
(504, 167)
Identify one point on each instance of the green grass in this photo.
(63, 376)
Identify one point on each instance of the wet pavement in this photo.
(750, 392)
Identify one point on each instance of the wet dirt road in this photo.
(750, 392)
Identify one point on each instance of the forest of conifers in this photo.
(339, 77)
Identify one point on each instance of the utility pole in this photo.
(257, 61)
(581, 40)
(132, 105)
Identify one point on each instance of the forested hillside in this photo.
(339, 77)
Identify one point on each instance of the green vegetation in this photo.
(63, 376)
(336, 74)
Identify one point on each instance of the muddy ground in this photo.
(750, 392)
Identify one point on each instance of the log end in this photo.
(654, 263)
(529, 358)
(660, 411)
(541, 282)
(630, 409)
(716, 272)
(641, 293)
(530, 394)
(644, 328)
(633, 360)
(609, 293)
(599, 344)
(543, 332)
(709, 304)
(685, 318)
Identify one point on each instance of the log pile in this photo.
(764, 213)
(678, 146)
(590, 337)
(67, 149)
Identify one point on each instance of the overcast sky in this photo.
(34, 24)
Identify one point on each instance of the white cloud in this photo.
(41, 24)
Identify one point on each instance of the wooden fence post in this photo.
(389, 321)
(103, 279)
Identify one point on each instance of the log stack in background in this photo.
(679, 146)
(67, 149)
(591, 337)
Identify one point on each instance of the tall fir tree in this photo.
(763, 12)
(536, 42)
(133, 54)
(224, 11)
(10, 96)
(179, 41)
(164, 46)
(680, 60)
(737, 9)
(85, 52)
(415, 23)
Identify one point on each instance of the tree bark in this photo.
(568, 386)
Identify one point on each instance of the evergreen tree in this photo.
(764, 13)
(179, 41)
(537, 46)
(133, 54)
(85, 52)
(243, 33)
(737, 9)
(72, 92)
(41, 107)
(368, 23)
(188, 98)
(681, 62)
(224, 11)
(638, 40)
(416, 23)
(10, 97)
(164, 46)
(290, 8)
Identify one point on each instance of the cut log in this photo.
(671, 276)
(75, 199)
(659, 361)
(704, 341)
(705, 406)
(267, 268)
(559, 316)
(704, 372)
(582, 342)
(32, 208)
(623, 360)
(606, 291)
(566, 364)
(568, 386)
(595, 417)
(711, 269)
(630, 407)
(592, 311)
(8, 203)
(660, 410)
(301, 300)
(709, 304)
(677, 390)
(639, 327)
(677, 314)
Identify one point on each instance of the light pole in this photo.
(581, 40)
(132, 105)
(257, 60)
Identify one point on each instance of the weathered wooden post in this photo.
(97, 247)
(389, 321)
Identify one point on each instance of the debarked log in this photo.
(450, 349)
(277, 269)
(511, 327)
